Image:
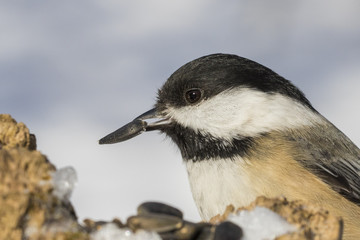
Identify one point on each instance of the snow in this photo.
(112, 232)
(261, 224)
(64, 181)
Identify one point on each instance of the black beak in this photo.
(136, 127)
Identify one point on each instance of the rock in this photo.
(28, 210)
(13, 134)
(35, 204)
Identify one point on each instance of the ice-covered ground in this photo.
(64, 181)
(261, 224)
(111, 232)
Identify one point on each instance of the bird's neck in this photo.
(197, 146)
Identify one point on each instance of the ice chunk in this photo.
(112, 232)
(261, 224)
(64, 180)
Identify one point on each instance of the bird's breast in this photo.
(217, 183)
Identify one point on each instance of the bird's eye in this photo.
(193, 95)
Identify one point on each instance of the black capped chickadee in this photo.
(244, 131)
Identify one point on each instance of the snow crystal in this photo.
(261, 224)
(112, 232)
(64, 181)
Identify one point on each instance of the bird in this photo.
(245, 131)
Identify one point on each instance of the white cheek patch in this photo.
(244, 112)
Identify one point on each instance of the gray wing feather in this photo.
(331, 156)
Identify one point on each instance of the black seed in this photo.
(158, 208)
(155, 222)
(228, 231)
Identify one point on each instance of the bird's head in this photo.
(216, 105)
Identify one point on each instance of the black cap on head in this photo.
(218, 72)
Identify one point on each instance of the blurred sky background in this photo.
(74, 71)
